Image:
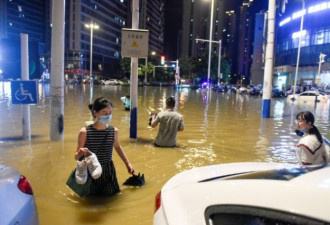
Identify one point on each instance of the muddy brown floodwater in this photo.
(219, 128)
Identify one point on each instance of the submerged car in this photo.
(112, 82)
(17, 202)
(246, 193)
(309, 96)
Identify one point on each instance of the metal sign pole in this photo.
(57, 72)
(266, 96)
(134, 76)
(26, 124)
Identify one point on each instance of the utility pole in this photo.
(266, 96)
(57, 71)
(219, 56)
(134, 75)
(26, 122)
(210, 45)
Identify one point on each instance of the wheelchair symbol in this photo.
(22, 94)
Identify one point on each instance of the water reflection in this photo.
(219, 128)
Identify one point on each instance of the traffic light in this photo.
(162, 60)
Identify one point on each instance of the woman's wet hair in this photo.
(170, 101)
(99, 104)
(309, 117)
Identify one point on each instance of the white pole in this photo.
(318, 73)
(91, 56)
(210, 45)
(153, 72)
(146, 72)
(299, 46)
(266, 96)
(219, 63)
(57, 71)
(26, 124)
(134, 75)
(177, 72)
(321, 58)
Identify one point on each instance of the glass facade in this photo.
(27, 17)
(315, 36)
(315, 39)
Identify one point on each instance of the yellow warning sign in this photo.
(135, 45)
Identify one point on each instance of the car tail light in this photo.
(158, 201)
(24, 186)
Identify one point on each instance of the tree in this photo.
(225, 70)
(125, 64)
(148, 68)
(201, 66)
(186, 67)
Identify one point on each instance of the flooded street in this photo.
(219, 128)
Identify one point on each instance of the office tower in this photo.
(28, 17)
(313, 68)
(111, 17)
(152, 18)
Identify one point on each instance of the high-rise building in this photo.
(111, 17)
(34, 18)
(313, 67)
(245, 35)
(196, 25)
(28, 17)
(258, 56)
(173, 28)
(152, 18)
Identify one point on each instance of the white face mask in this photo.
(105, 119)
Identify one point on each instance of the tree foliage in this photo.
(125, 65)
(186, 68)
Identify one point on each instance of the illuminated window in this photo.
(318, 38)
(285, 45)
(287, 20)
(327, 36)
(298, 14)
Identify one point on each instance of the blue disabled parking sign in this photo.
(24, 92)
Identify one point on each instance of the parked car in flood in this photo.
(309, 96)
(277, 92)
(246, 193)
(17, 202)
(112, 82)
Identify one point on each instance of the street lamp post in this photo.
(303, 11)
(219, 57)
(91, 26)
(219, 63)
(146, 71)
(321, 57)
(210, 46)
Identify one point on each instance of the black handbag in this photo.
(80, 189)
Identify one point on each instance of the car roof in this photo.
(308, 194)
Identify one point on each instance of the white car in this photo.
(17, 203)
(112, 82)
(246, 193)
(309, 96)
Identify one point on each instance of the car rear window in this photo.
(249, 215)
